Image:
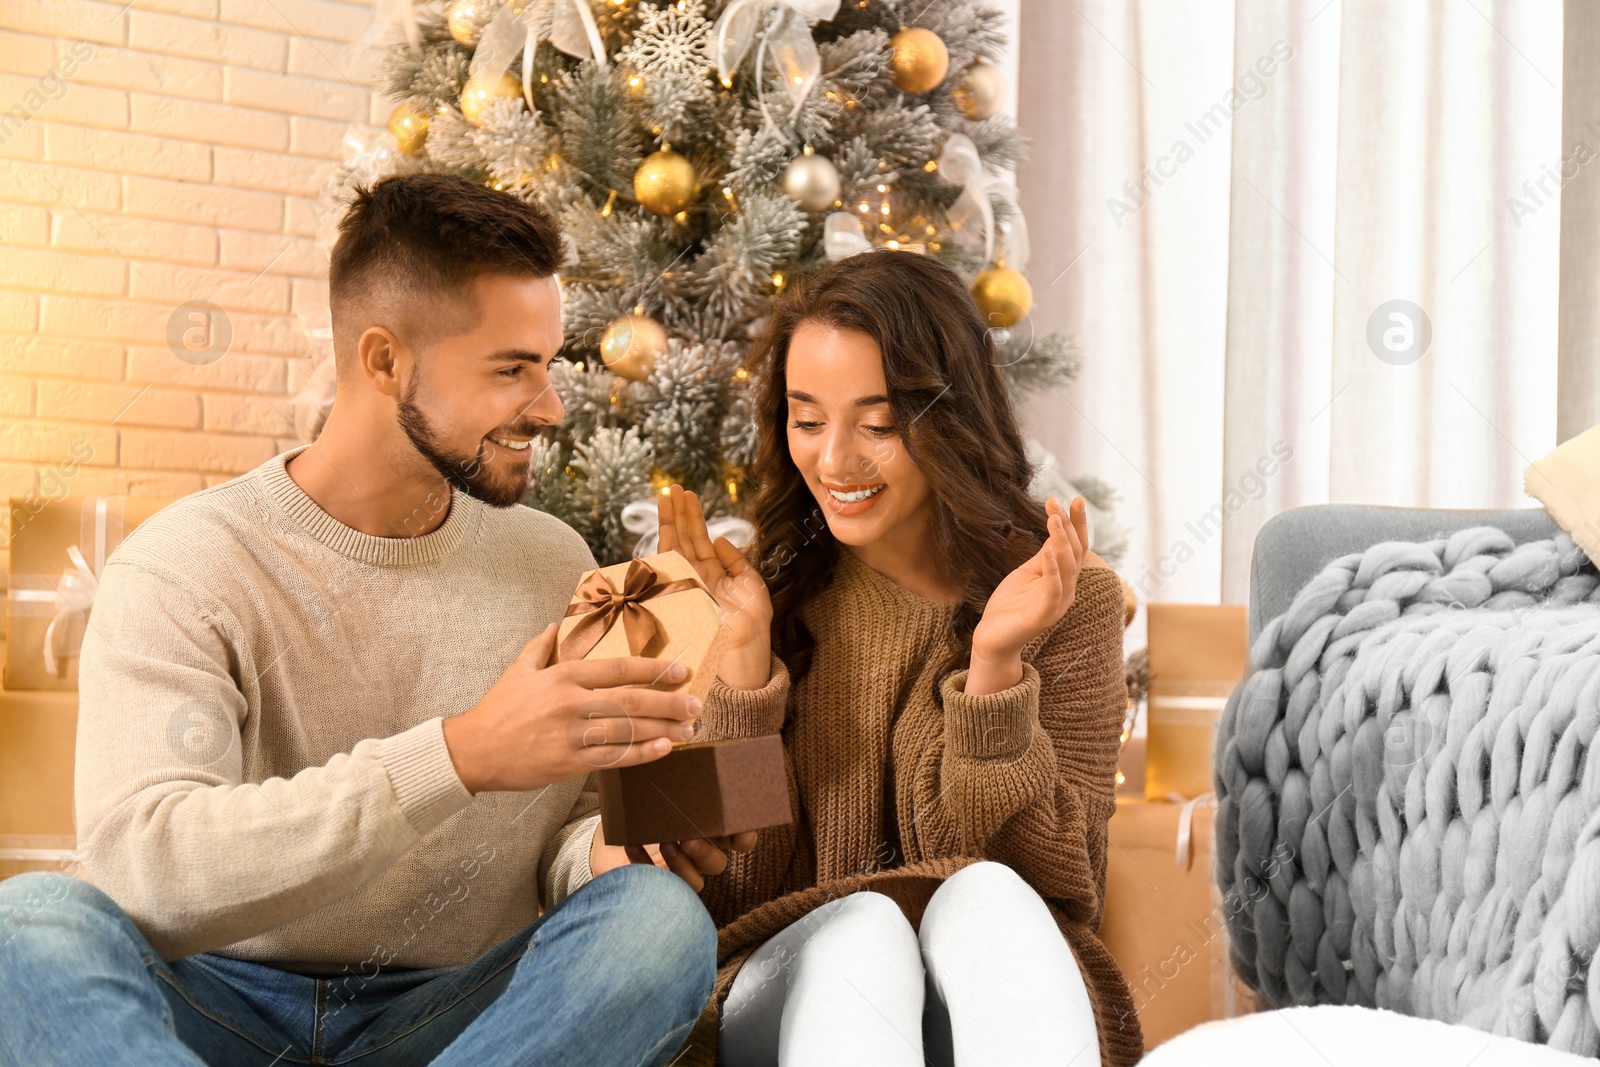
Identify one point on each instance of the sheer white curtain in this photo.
(1579, 370)
(1247, 348)
(1130, 254)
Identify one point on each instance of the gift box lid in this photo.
(655, 606)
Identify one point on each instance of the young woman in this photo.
(943, 658)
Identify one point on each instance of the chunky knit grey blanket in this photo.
(1408, 812)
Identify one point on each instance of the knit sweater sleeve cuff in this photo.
(570, 870)
(423, 775)
(995, 726)
(732, 712)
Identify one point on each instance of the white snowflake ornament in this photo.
(670, 39)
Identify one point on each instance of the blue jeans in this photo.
(616, 974)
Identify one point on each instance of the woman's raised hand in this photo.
(734, 583)
(1032, 598)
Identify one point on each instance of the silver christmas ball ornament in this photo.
(811, 181)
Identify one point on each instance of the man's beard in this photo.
(474, 475)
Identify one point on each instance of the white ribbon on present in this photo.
(74, 593)
(1184, 854)
(959, 163)
(842, 236)
(642, 518)
(515, 28)
(789, 42)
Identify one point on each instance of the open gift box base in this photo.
(700, 789)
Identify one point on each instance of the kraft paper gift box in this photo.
(38, 735)
(1165, 922)
(1130, 762)
(657, 607)
(58, 549)
(1198, 653)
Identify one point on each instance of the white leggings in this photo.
(988, 980)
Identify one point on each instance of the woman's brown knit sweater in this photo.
(1024, 777)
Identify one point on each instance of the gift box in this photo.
(20, 855)
(657, 607)
(704, 789)
(1131, 762)
(1198, 653)
(58, 549)
(1165, 922)
(38, 735)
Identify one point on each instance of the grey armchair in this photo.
(1294, 545)
(1388, 778)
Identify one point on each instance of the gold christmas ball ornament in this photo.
(982, 91)
(465, 19)
(1003, 295)
(410, 129)
(631, 345)
(479, 93)
(920, 60)
(812, 181)
(665, 182)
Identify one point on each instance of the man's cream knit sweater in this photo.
(261, 765)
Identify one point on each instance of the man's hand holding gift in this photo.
(542, 723)
(693, 860)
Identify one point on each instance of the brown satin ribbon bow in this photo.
(602, 606)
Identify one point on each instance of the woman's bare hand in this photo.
(733, 582)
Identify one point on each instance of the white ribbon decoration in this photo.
(516, 29)
(1184, 854)
(642, 518)
(789, 41)
(959, 163)
(842, 236)
(572, 26)
(401, 14)
(1013, 239)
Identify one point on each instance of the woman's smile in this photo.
(852, 500)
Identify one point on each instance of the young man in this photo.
(331, 798)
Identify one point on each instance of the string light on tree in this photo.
(733, 477)
(812, 181)
(634, 82)
(920, 60)
(982, 91)
(665, 182)
(631, 345)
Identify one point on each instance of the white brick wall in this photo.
(174, 156)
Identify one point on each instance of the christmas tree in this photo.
(700, 159)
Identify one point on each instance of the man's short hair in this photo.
(412, 244)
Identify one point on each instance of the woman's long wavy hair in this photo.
(954, 418)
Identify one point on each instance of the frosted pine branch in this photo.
(613, 468)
